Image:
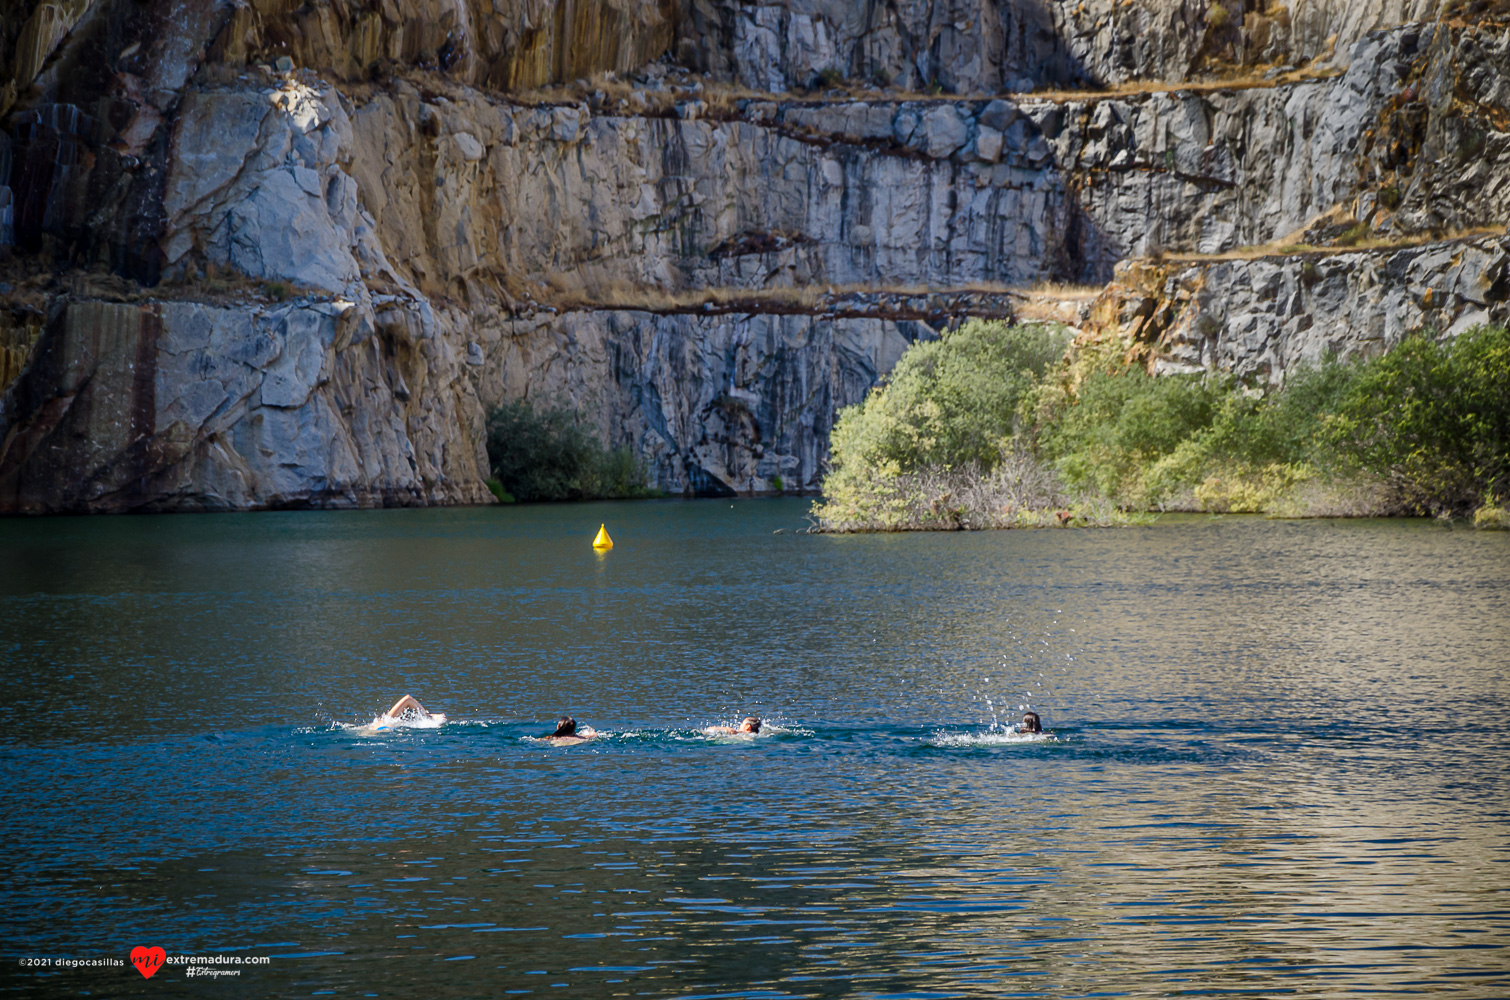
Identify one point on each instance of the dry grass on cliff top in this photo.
(1290, 246)
(722, 99)
(1056, 302)
(571, 293)
(1053, 301)
(1253, 79)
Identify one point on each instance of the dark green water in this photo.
(1276, 767)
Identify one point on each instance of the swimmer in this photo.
(567, 734)
(404, 707)
(1030, 723)
(749, 727)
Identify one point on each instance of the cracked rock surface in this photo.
(1260, 318)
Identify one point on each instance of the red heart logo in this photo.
(148, 960)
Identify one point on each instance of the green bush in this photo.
(1429, 420)
(1274, 429)
(1353, 235)
(949, 405)
(1120, 425)
(1492, 516)
(1434, 418)
(550, 455)
(1424, 428)
(949, 402)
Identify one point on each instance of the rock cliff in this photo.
(1261, 316)
(268, 255)
(987, 46)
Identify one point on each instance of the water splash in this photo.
(1003, 737)
(383, 724)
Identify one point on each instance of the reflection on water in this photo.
(1274, 760)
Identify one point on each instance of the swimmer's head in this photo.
(750, 725)
(565, 726)
(1031, 723)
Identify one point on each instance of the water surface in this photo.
(1276, 762)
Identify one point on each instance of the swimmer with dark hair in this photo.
(567, 734)
(1030, 723)
(409, 707)
(749, 727)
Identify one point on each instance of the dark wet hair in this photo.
(565, 726)
(754, 721)
(1031, 723)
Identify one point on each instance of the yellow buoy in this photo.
(602, 541)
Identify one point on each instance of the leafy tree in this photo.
(949, 402)
(1434, 417)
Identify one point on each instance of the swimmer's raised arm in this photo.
(406, 702)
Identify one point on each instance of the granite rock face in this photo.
(1207, 172)
(986, 46)
(182, 406)
(768, 199)
(263, 256)
(1442, 143)
(713, 404)
(499, 44)
(1259, 318)
(882, 192)
(256, 185)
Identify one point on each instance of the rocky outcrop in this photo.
(1411, 139)
(1440, 146)
(182, 406)
(1260, 317)
(503, 44)
(898, 193)
(879, 194)
(499, 44)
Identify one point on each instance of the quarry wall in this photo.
(266, 254)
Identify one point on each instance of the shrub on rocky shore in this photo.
(932, 448)
(984, 429)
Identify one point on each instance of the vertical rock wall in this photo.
(986, 46)
(183, 406)
(713, 403)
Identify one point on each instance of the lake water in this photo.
(1276, 761)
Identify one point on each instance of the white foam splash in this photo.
(410, 722)
(386, 724)
(988, 738)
